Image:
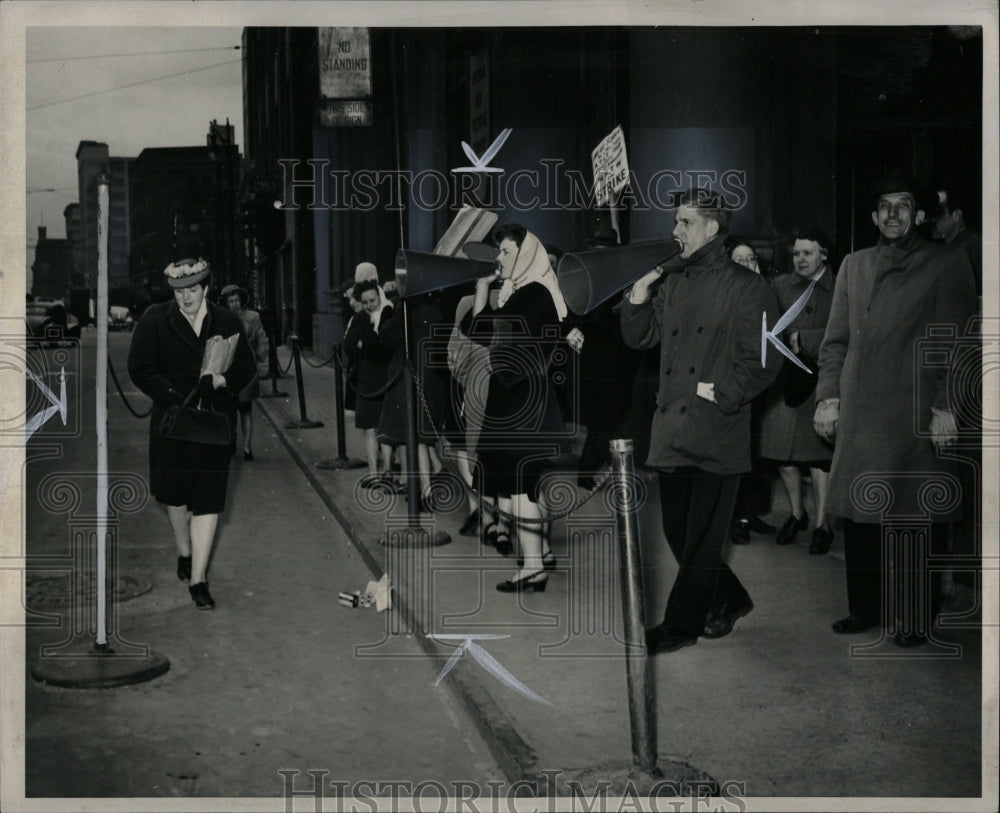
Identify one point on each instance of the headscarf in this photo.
(532, 265)
(363, 273)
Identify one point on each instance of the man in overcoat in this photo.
(887, 405)
(706, 316)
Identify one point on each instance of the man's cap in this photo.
(187, 272)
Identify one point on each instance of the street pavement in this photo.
(282, 677)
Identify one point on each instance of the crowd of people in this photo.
(674, 360)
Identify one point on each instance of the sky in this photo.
(167, 93)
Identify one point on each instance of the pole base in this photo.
(99, 667)
(341, 463)
(413, 537)
(277, 394)
(303, 424)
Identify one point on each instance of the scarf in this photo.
(532, 265)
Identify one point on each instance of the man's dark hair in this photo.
(711, 205)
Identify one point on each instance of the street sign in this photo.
(345, 113)
(345, 70)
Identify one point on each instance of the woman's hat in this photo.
(187, 272)
(365, 272)
(231, 289)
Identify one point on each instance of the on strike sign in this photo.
(610, 166)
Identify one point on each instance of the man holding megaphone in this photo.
(706, 316)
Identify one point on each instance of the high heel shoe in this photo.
(788, 532)
(247, 454)
(489, 534)
(548, 560)
(184, 568)
(471, 525)
(202, 598)
(503, 544)
(536, 581)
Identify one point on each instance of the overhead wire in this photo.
(138, 53)
(133, 84)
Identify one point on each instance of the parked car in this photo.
(119, 318)
(49, 322)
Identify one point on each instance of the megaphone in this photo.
(419, 273)
(590, 278)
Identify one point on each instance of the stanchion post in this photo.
(640, 697)
(303, 422)
(272, 361)
(341, 461)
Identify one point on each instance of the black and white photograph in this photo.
(499, 406)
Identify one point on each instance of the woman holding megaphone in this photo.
(522, 424)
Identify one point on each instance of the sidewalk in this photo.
(780, 707)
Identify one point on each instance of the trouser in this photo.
(893, 586)
(697, 510)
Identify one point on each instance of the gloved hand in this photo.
(944, 428)
(205, 389)
(640, 291)
(825, 418)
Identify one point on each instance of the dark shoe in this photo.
(488, 534)
(371, 481)
(471, 525)
(536, 581)
(740, 533)
(822, 539)
(758, 526)
(660, 639)
(184, 568)
(248, 455)
(786, 536)
(852, 625)
(202, 598)
(907, 640)
(720, 622)
(548, 561)
(503, 544)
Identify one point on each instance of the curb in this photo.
(515, 757)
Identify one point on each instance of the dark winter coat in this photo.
(899, 310)
(707, 319)
(370, 362)
(164, 361)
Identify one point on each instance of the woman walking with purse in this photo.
(169, 363)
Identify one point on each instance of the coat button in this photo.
(668, 371)
(809, 308)
(683, 410)
(663, 409)
(674, 332)
(690, 369)
(700, 329)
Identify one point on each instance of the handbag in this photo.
(799, 384)
(195, 424)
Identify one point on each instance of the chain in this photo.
(600, 482)
(321, 364)
(288, 366)
(381, 390)
(111, 369)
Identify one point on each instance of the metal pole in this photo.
(102, 411)
(412, 461)
(640, 698)
(303, 422)
(341, 461)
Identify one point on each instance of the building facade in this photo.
(53, 266)
(791, 124)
